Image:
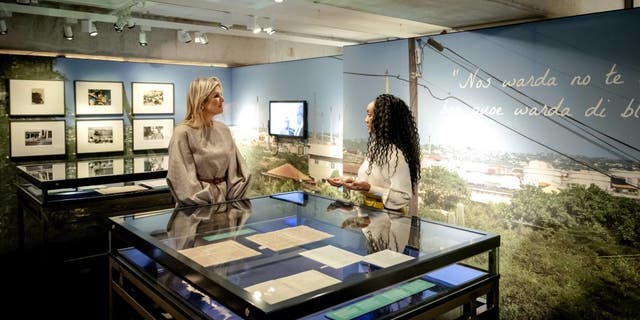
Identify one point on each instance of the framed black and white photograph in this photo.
(100, 167)
(152, 98)
(36, 97)
(150, 163)
(37, 138)
(150, 134)
(98, 136)
(98, 98)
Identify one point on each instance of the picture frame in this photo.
(152, 98)
(99, 136)
(36, 97)
(150, 163)
(100, 167)
(98, 98)
(38, 138)
(152, 134)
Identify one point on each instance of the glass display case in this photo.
(85, 179)
(298, 255)
(68, 200)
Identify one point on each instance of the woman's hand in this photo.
(357, 186)
(339, 181)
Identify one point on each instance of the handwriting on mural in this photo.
(481, 80)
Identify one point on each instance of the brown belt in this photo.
(214, 180)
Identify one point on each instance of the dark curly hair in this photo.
(393, 125)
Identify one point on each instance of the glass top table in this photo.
(293, 254)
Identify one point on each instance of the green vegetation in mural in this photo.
(570, 254)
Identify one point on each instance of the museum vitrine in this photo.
(66, 202)
(74, 180)
(298, 255)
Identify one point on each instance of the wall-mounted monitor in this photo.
(288, 118)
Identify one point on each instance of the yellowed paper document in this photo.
(333, 257)
(274, 291)
(386, 258)
(112, 190)
(219, 253)
(288, 237)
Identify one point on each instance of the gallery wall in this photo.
(529, 131)
(316, 80)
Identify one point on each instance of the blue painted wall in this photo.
(365, 67)
(319, 81)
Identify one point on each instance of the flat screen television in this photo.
(288, 118)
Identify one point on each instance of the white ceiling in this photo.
(325, 22)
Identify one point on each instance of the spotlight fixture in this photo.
(201, 38)
(267, 25)
(142, 37)
(3, 27)
(184, 36)
(256, 28)
(67, 32)
(226, 21)
(118, 26)
(89, 27)
(278, 1)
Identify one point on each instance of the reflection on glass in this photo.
(45, 172)
(97, 168)
(381, 230)
(188, 227)
(151, 163)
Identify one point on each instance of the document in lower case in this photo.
(274, 291)
(333, 257)
(386, 258)
(219, 253)
(289, 237)
(120, 189)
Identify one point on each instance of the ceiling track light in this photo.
(67, 32)
(226, 21)
(89, 27)
(201, 38)
(184, 36)
(142, 36)
(120, 23)
(142, 39)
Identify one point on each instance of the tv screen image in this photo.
(288, 118)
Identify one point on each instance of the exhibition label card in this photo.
(386, 258)
(219, 253)
(274, 291)
(288, 237)
(333, 257)
(379, 300)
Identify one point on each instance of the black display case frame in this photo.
(126, 235)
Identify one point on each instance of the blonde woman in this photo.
(205, 165)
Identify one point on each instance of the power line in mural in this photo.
(496, 121)
(438, 48)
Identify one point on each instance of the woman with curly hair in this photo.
(391, 169)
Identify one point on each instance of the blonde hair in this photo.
(199, 90)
